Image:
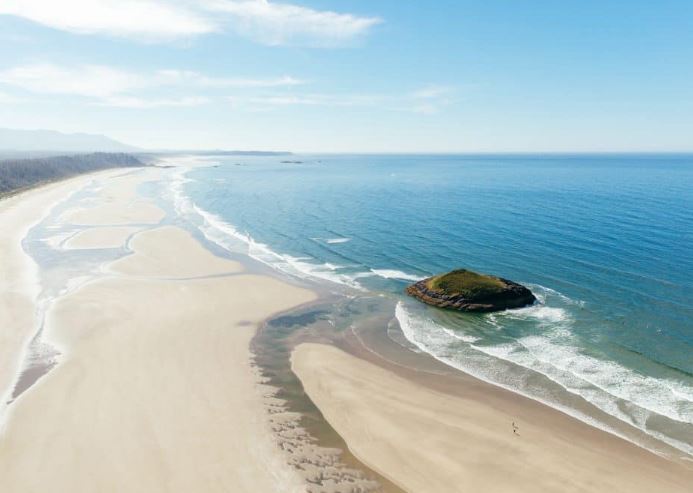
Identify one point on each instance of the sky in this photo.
(354, 75)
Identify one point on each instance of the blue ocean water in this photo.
(604, 241)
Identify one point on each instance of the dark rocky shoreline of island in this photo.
(508, 294)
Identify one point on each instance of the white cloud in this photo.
(266, 22)
(144, 19)
(427, 100)
(432, 92)
(306, 100)
(95, 81)
(143, 103)
(111, 86)
(275, 23)
(197, 79)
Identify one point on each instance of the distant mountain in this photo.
(12, 140)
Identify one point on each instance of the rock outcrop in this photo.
(467, 291)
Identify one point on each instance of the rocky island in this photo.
(468, 291)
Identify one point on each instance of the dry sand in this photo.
(155, 391)
(430, 441)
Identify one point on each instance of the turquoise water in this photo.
(604, 241)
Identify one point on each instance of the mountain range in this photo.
(14, 140)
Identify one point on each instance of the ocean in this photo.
(604, 242)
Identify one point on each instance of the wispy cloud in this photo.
(279, 100)
(275, 23)
(143, 103)
(114, 87)
(426, 100)
(95, 81)
(200, 80)
(263, 21)
(430, 99)
(111, 86)
(432, 92)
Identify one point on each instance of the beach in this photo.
(154, 390)
(150, 384)
(428, 431)
(19, 276)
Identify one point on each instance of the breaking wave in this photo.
(622, 393)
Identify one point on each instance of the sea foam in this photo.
(227, 236)
(396, 274)
(614, 389)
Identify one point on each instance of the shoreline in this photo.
(598, 434)
(154, 367)
(307, 435)
(333, 379)
(474, 413)
(601, 388)
(19, 273)
(172, 363)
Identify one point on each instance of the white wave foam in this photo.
(332, 241)
(220, 232)
(462, 337)
(227, 236)
(614, 389)
(539, 312)
(573, 369)
(181, 202)
(396, 274)
(537, 288)
(603, 383)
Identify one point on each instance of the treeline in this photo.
(18, 174)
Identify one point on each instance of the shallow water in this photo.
(604, 242)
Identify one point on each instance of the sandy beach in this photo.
(458, 435)
(97, 238)
(154, 390)
(18, 273)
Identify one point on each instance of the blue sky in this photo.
(354, 76)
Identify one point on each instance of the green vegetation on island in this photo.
(466, 283)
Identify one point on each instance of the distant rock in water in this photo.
(468, 291)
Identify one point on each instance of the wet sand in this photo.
(103, 237)
(18, 273)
